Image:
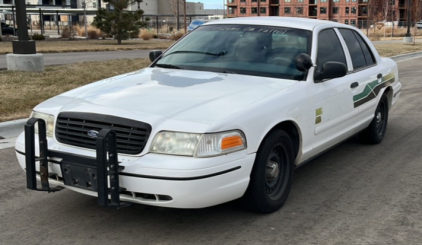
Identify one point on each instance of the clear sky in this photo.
(211, 4)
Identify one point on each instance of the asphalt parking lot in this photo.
(353, 194)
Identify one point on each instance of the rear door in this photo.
(369, 76)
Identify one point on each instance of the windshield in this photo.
(240, 49)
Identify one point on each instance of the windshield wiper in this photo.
(196, 52)
(168, 66)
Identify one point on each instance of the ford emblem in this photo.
(93, 133)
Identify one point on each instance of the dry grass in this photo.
(21, 91)
(91, 45)
(92, 31)
(393, 49)
(377, 34)
(177, 35)
(146, 34)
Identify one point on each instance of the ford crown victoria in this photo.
(225, 113)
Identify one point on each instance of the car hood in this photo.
(203, 97)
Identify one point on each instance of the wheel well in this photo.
(389, 92)
(290, 128)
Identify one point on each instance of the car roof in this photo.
(290, 22)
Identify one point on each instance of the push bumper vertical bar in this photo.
(31, 179)
(107, 166)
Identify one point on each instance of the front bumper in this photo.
(191, 183)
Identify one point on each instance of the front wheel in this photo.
(375, 132)
(272, 174)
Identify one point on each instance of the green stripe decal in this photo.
(364, 93)
(372, 89)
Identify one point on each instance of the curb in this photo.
(405, 56)
(12, 128)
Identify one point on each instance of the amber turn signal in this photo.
(231, 141)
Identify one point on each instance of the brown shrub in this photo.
(146, 34)
(177, 35)
(68, 32)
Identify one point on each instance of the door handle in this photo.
(354, 85)
(379, 76)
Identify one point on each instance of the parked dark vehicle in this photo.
(7, 30)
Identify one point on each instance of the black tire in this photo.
(375, 132)
(272, 174)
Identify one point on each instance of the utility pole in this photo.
(85, 22)
(177, 15)
(184, 13)
(409, 8)
(408, 37)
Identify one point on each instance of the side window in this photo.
(359, 51)
(356, 53)
(369, 57)
(329, 48)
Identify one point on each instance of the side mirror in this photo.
(330, 70)
(303, 62)
(154, 54)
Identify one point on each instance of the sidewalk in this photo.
(75, 57)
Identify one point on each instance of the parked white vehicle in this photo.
(227, 112)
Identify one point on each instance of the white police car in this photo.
(227, 112)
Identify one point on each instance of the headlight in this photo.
(220, 143)
(49, 122)
(198, 145)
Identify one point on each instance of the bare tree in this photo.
(386, 7)
(416, 13)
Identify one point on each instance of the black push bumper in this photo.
(100, 174)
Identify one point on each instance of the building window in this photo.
(94, 5)
(299, 10)
(347, 10)
(364, 11)
(335, 10)
(336, 1)
(287, 1)
(287, 10)
(243, 10)
(243, 1)
(254, 1)
(353, 22)
(263, 1)
(263, 10)
(254, 10)
(353, 10)
(346, 22)
(323, 1)
(323, 10)
(300, 1)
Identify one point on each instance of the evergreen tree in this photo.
(118, 22)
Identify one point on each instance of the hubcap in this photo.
(276, 173)
(273, 170)
(379, 117)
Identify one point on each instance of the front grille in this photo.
(72, 129)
